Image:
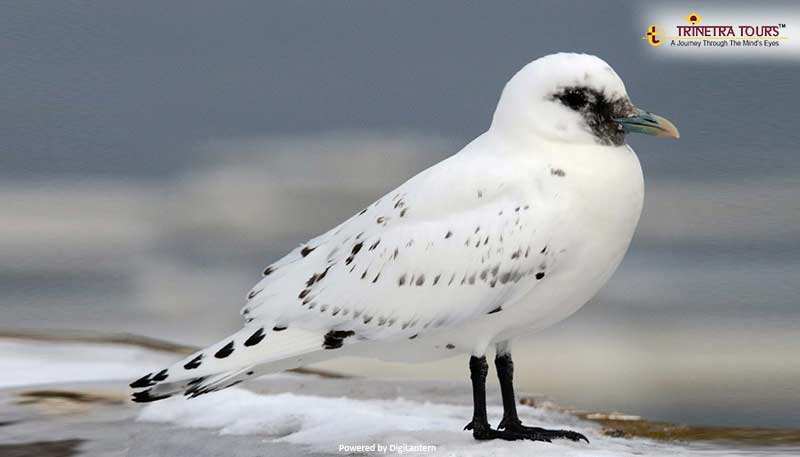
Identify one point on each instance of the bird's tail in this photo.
(249, 352)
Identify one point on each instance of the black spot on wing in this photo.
(335, 338)
(540, 275)
(401, 280)
(268, 271)
(307, 250)
(450, 346)
(225, 351)
(356, 248)
(144, 381)
(496, 310)
(252, 294)
(255, 338)
(557, 172)
(194, 363)
(278, 328)
(420, 280)
(160, 376)
(448, 234)
(317, 277)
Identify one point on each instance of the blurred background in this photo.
(154, 157)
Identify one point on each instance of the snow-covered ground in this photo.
(279, 415)
(334, 425)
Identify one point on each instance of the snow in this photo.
(302, 413)
(338, 425)
(24, 362)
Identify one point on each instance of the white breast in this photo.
(599, 194)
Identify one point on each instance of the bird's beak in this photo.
(640, 121)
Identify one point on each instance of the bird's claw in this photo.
(517, 431)
(517, 427)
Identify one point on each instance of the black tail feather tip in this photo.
(149, 380)
(144, 381)
(145, 397)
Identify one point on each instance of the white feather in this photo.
(513, 233)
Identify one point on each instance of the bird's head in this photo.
(573, 98)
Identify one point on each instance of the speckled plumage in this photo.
(511, 234)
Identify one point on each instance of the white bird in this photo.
(512, 234)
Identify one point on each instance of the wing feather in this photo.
(432, 253)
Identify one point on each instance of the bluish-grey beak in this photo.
(648, 123)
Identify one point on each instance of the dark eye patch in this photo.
(596, 110)
(574, 98)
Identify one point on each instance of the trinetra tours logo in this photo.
(698, 34)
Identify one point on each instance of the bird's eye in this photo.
(574, 99)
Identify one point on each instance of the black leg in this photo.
(481, 430)
(511, 422)
(505, 374)
(478, 369)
